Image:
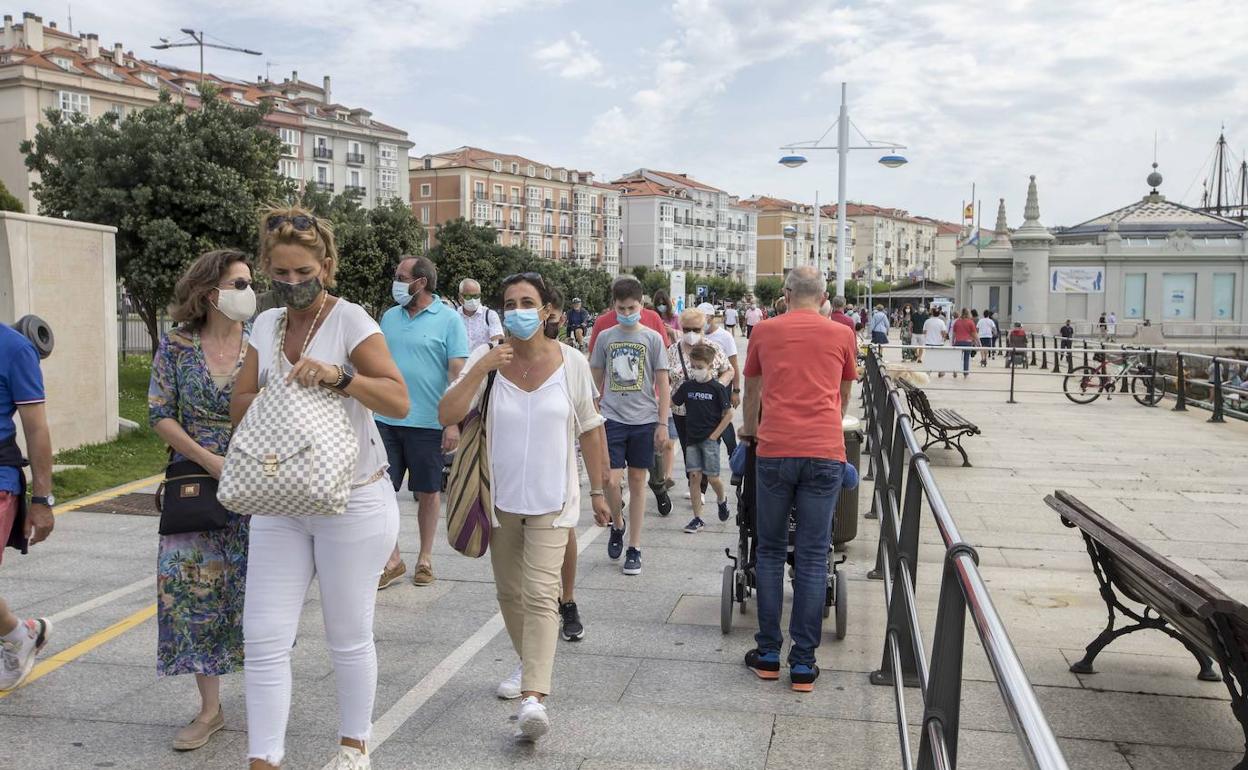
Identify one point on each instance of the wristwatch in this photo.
(736, 390)
(49, 501)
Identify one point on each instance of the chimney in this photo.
(52, 24)
(294, 76)
(119, 57)
(9, 33)
(32, 30)
(327, 99)
(93, 45)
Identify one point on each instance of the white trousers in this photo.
(347, 554)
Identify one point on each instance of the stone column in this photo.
(1030, 274)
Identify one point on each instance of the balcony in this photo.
(595, 209)
(481, 195)
(565, 230)
(516, 225)
(355, 189)
(516, 200)
(548, 254)
(500, 200)
(548, 229)
(548, 204)
(323, 153)
(356, 158)
(565, 206)
(326, 186)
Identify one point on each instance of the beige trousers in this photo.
(527, 554)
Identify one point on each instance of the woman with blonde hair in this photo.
(200, 574)
(331, 343)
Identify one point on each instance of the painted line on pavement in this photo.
(103, 599)
(428, 686)
(107, 494)
(82, 648)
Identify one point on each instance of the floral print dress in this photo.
(199, 575)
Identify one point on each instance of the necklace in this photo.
(312, 328)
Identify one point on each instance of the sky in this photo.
(978, 91)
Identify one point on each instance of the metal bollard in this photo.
(1153, 379)
(1057, 356)
(1085, 352)
(1032, 345)
(1180, 396)
(1217, 392)
(1012, 370)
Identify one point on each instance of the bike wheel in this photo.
(1083, 385)
(1140, 385)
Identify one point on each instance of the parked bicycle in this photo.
(1087, 383)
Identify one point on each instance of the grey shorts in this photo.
(703, 457)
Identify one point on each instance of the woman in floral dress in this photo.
(200, 575)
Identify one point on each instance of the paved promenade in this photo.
(655, 684)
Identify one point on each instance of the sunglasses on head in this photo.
(299, 222)
(238, 283)
(533, 278)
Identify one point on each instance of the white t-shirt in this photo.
(725, 340)
(344, 326)
(532, 481)
(986, 328)
(934, 331)
(730, 316)
(753, 316)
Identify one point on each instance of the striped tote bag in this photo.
(469, 506)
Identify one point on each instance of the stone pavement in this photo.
(655, 684)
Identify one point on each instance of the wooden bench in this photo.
(940, 426)
(1193, 611)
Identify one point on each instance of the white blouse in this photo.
(528, 471)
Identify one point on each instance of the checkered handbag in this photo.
(294, 453)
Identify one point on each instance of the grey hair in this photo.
(468, 280)
(838, 302)
(806, 283)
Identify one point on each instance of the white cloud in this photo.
(572, 58)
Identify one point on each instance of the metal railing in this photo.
(903, 482)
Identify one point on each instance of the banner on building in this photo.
(1077, 280)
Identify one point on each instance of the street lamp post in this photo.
(842, 147)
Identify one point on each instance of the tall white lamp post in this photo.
(794, 159)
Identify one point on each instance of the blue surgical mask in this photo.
(522, 323)
(399, 291)
(628, 320)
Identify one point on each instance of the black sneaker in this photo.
(632, 562)
(803, 677)
(572, 629)
(723, 510)
(765, 665)
(663, 500)
(615, 541)
(694, 526)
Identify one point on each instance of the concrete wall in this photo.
(65, 272)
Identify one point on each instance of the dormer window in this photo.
(344, 116)
(515, 168)
(498, 165)
(563, 175)
(64, 63)
(546, 173)
(149, 78)
(532, 171)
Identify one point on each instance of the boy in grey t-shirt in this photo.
(629, 363)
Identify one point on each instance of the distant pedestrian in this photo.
(878, 326)
(1111, 325)
(753, 317)
(481, 323)
(799, 372)
(1101, 326)
(730, 319)
(839, 315)
(935, 332)
(964, 336)
(985, 328)
(918, 322)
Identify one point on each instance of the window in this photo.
(289, 168)
(118, 109)
(498, 165)
(1134, 287)
(290, 138)
(426, 190)
(515, 168)
(546, 173)
(387, 155)
(478, 190)
(994, 298)
(356, 149)
(354, 176)
(1223, 296)
(531, 171)
(149, 78)
(1178, 296)
(388, 182)
(72, 101)
(64, 63)
(424, 215)
(563, 175)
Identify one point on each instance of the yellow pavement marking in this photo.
(51, 664)
(107, 494)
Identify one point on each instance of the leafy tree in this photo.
(768, 290)
(639, 272)
(175, 182)
(9, 201)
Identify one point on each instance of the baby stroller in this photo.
(740, 578)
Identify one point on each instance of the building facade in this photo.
(673, 222)
(786, 236)
(1152, 262)
(43, 67)
(889, 244)
(555, 212)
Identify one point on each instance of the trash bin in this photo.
(845, 526)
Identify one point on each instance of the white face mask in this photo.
(237, 304)
(471, 305)
(700, 375)
(692, 338)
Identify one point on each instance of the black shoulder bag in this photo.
(187, 500)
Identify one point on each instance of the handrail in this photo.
(903, 482)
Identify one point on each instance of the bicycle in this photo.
(1085, 384)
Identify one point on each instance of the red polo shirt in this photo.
(649, 319)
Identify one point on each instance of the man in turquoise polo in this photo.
(430, 345)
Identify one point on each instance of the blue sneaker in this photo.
(765, 665)
(632, 562)
(723, 510)
(694, 526)
(803, 677)
(615, 542)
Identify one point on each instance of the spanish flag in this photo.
(968, 213)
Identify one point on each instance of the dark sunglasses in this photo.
(300, 222)
(238, 283)
(698, 330)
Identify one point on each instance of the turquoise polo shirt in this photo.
(422, 345)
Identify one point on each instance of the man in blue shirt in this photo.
(430, 345)
(21, 392)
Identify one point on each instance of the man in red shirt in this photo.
(606, 320)
(838, 312)
(799, 374)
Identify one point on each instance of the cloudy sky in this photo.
(985, 91)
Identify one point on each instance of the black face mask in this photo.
(551, 328)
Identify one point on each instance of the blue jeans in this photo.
(810, 486)
(967, 355)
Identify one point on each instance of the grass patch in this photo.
(135, 455)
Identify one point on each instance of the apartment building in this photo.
(674, 222)
(786, 236)
(894, 241)
(554, 211)
(43, 67)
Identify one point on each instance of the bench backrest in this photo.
(918, 400)
(1192, 604)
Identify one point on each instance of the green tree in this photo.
(768, 290)
(639, 272)
(175, 182)
(9, 201)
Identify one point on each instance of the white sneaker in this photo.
(509, 688)
(17, 658)
(533, 721)
(351, 758)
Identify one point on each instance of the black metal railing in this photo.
(903, 483)
(323, 153)
(355, 157)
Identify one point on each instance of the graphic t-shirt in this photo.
(629, 358)
(704, 404)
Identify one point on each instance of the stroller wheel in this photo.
(727, 595)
